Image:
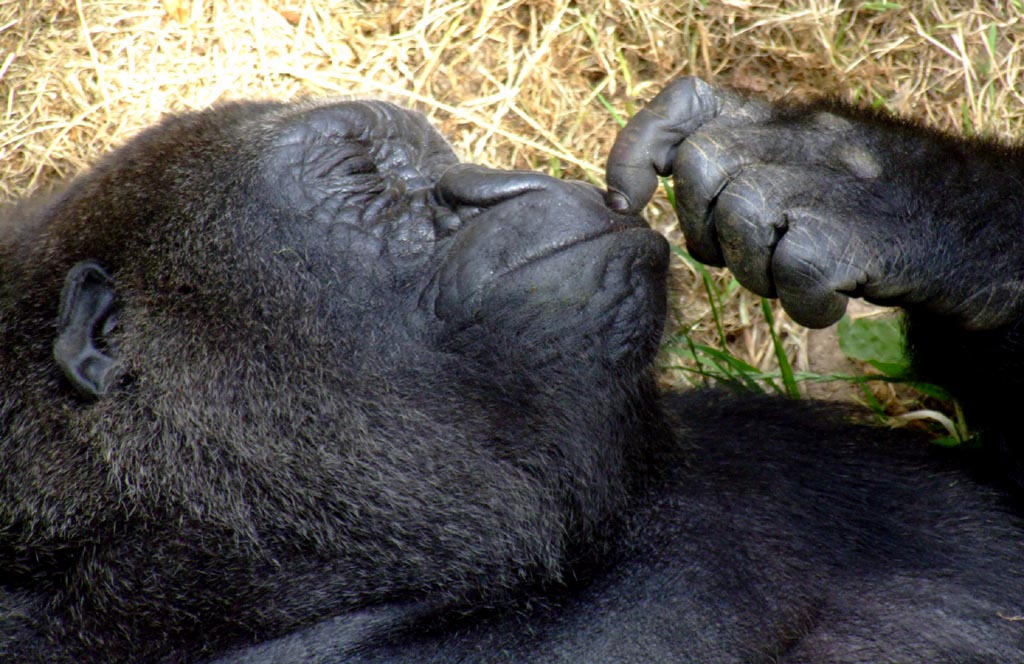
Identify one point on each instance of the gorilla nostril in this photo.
(616, 201)
(447, 218)
(469, 185)
(446, 223)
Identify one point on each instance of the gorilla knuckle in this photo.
(700, 167)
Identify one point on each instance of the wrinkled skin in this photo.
(288, 383)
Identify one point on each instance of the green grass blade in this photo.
(713, 293)
(785, 368)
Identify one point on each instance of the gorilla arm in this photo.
(817, 203)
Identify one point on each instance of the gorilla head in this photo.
(305, 360)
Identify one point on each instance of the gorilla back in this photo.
(290, 375)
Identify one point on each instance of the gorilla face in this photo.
(340, 363)
(349, 233)
(518, 258)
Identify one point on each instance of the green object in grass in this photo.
(877, 341)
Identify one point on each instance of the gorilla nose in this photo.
(470, 185)
(468, 189)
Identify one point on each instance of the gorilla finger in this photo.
(479, 186)
(705, 163)
(749, 220)
(812, 284)
(646, 146)
(752, 213)
(808, 301)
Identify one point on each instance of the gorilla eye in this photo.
(340, 159)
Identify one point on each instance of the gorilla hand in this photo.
(818, 203)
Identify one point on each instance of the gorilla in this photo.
(289, 383)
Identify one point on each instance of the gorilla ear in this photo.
(87, 315)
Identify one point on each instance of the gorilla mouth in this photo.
(532, 243)
(616, 232)
(575, 272)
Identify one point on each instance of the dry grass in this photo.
(512, 84)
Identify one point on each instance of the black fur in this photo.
(364, 403)
(775, 531)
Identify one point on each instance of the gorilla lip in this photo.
(571, 243)
(490, 255)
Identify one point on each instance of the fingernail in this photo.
(616, 201)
